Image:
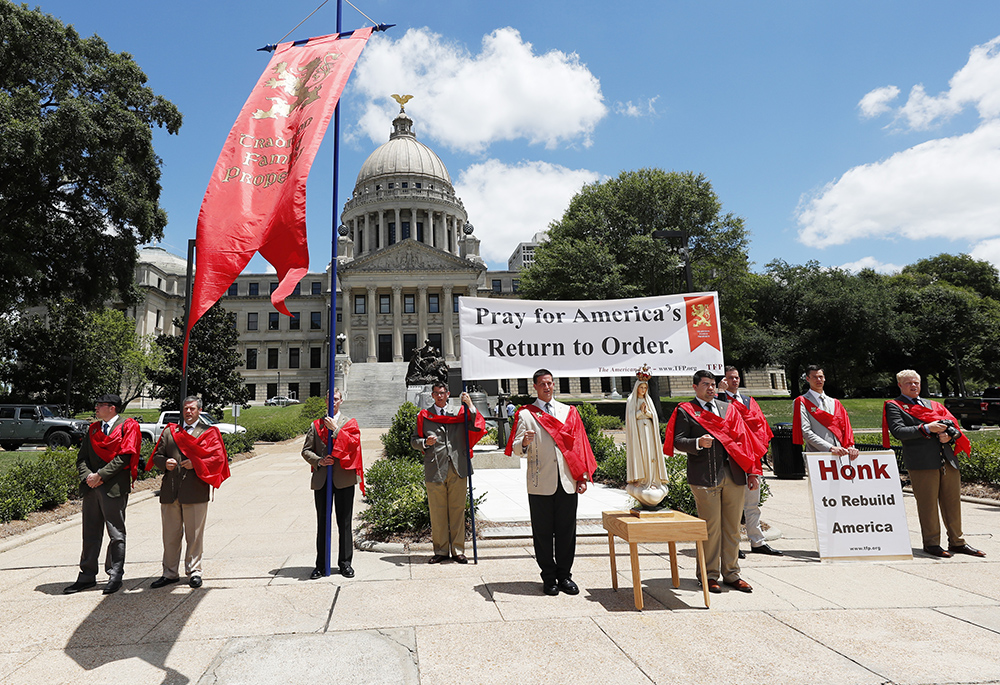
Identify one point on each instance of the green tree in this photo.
(961, 271)
(79, 180)
(213, 363)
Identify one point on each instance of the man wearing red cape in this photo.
(348, 470)
(560, 464)
(445, 438)
(930, 454)
(193, 460)
(820, 422)
(108, 462)
(723, 460)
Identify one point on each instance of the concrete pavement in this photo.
(259, 620)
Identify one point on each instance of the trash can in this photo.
(786, 456)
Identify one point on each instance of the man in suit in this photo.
(929, 454)
(819, 422)
(107, 464)
(193, 460)
(440, 435)
(756, 422)
(346, 461)
(560, 464)
(723, 460)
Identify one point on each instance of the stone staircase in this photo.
(374, 392)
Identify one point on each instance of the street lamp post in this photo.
(684, 252)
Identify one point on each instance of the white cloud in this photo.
(987, 250)
(871, 263)
(508, 204)
(877, 101)
(467, 102)
(637, 110)
(946, 188)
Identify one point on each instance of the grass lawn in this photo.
(7, 459)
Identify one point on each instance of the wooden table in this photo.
(666, 526)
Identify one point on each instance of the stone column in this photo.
(347, 307)
(383, 230)
(448, 334)
(397, 323)
(421, 314)
(372, 337)
(399, 226)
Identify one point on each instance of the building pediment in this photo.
(409, 256)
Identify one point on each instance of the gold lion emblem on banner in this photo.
(702, 314)
(297, 86)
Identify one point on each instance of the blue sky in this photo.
(851, 133)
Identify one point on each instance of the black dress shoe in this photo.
(742, 554)
(315, 574)
(163, 581)
(569, 587)
(937, 551)
(112, 587)
(966, 549)
(550, 589)
(766, 549)
(460, 558)
(79, 585)
(437, 559)
(195, 582)
(347, 571)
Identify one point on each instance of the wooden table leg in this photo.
(636, 580)
(614, 564)
(701, 567)
(674, 573)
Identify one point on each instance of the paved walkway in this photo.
(259, 620)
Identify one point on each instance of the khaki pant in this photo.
(187, 521)
(447, 504)
(934, 488)
(721, 506)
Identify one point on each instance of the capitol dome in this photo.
(403, 156)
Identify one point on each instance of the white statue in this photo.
(647, 472)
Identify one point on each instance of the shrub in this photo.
(314, 408)
(396, 440)
(679, 495)
(609, 423)
(396, 497)
(31, 485)
(603, 445)
(237, 443)
(490, 438)
(613, 470)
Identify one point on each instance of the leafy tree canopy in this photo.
(961, 271)
(79, 181)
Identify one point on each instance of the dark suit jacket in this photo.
(115, 473)
(181, 484)
(920, 451)
(452, 447)
(315, 449)
(704, 466)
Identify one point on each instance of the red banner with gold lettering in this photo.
(702, 321)
(256, 199)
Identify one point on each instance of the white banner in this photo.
(673, 334)
(858, 506)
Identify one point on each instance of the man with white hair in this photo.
(930, 436)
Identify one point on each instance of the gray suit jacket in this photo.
(182, 483)
(315, 449)
(452, 447)
(815, 436)
(920, 451)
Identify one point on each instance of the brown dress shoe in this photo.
(966, 549)
(937, 551)
(740, 584)
(713, 586)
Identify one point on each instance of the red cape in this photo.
(837, 423)
(935, 412)
(207, 452)
(731, 430)
(346, 447)
(476, 432)
(570, 438)
(755, 419)
(124, 438)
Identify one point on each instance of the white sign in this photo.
(858, 506)
(673, 334)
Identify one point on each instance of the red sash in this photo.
(570, 438)
(837, 423)
(346, 446)
(476, 432)
(731, 430)
(207, 452)
(755, 419)
(124, 438)
(935, 412)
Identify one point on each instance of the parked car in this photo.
(280, 401)
(35, 424)
(151, 431)
(973, 412)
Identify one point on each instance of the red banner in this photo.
(702, 322)
(256, 199)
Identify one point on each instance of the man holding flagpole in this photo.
(723, 460)
(560, 464)
(193, 460)
(442, 435)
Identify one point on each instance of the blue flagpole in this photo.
(472, 497)
(332, 343)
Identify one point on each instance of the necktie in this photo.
(107, 428)
(189, 429)
(548, 408)
(709, 408)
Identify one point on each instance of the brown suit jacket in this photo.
(315, 449)
(181, 484)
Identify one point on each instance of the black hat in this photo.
(110, 399)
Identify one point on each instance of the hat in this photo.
(110, 399)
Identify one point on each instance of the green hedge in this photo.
(396, 440)
(396, 497)
(30, 485)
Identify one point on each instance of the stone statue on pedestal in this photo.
(427, 366)
(647, 472)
